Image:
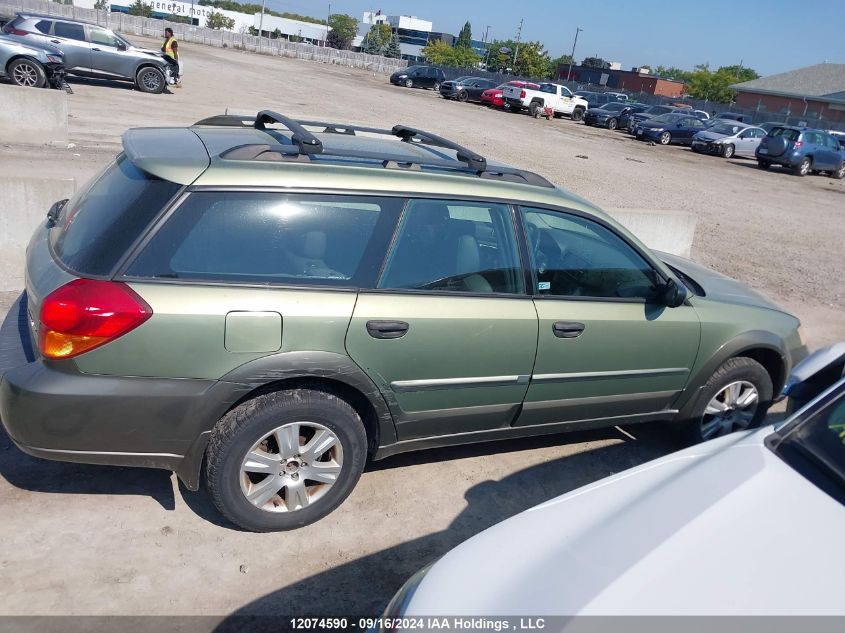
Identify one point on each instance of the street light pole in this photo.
(578, 29)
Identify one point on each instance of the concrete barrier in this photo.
(30, 115)
(668, 231)
(23, 205)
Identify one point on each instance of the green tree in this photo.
(178, 19)
(277, 33)
(217, 21)
(377, 38)
(560, 65)
(392, 49)
(671, 72)
(252, 30)
(595, 62)
(438, 52)
(465, 37)
(102, 5)
(532, 59)
(344, 29)
(715, 86)
(140, 8)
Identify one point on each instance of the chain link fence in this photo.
(150, 27)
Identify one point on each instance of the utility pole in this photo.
(261, 21)
(578, 29)
(518, 39)
(486, 46)
(328, 19)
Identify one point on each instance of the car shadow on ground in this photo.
(40, 475)
(364, 586)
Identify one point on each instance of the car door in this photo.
(833, 157)
(607, 348)
(425, 77)
(449, 335)
(748, 140)
(70, 38)
(108, 53)
(690, 125)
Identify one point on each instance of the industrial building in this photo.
(414, 34)
(634, 80)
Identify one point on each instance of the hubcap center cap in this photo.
(292, 466)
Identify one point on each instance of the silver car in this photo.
(93, 51)
(747, 524)
(728, 138)
(31, 64)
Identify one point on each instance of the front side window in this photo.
(271, 238)
(575, 257)
(103, 37)
(456, 246)
(70, 31)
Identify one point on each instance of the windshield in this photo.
(463, 79)
(658, 110)
(819, 440)
(726, 128)
(614, 106)
(668, 118)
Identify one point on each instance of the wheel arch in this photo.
(330, 371)
(766, 348)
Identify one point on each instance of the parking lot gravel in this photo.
(77, 539)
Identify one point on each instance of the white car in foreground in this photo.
(751, 523)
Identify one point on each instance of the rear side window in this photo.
(70, 31)
(44, 26)
(455, 246)
(98, 226)
(271, 238)
(787, 133)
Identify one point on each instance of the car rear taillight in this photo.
(85, 314)
(797, 144)
(11, 30)
(522, 94)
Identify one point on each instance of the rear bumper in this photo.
(53, 411)
(789, 159)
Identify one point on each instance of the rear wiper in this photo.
(53, 213)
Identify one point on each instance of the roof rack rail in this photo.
(408, 134)
(305, 140)
(307, 145)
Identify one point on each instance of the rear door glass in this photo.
(70, 31)
(787, 133)
(43, 26)
(272, 238)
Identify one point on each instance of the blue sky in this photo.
(770, 36)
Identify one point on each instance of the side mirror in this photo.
(672, 294)
(121, 46)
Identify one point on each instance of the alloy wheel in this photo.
(732, 409)
(665, 138)
(25, 75)
(151, 80)
(292, 467)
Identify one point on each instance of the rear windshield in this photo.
(615, 106)
(786, 132)
(658, 110)
(97, 227)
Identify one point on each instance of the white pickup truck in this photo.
(554, 96)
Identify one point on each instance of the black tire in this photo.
(436, 86)
(728, 150)
(612, 123)
(409, 83)
(802, 168)
(577, 114)
(27, 72)
(763, 164)
(665, 138)
(463, 95)
(238, 431)
(534, 109)
(838, 174)
(731, 371)
(150, 80)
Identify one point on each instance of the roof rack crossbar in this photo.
(305, 140)
(408, 134)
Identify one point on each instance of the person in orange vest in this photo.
(171, 50)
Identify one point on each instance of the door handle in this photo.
(387, 329)
(567, 329)
(56, 41)
(96, 49)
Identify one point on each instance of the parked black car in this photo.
(466, 88)
(418, 77)
(628, 112)
(674, 127)
(650, 113)
(597, 99)
(609, 115)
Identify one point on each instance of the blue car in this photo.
(802, 150)
(675, 127)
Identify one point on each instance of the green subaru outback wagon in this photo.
(269, 303)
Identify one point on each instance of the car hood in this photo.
(654, 125)
(710, 136)
(717, 286)
(725, 527)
